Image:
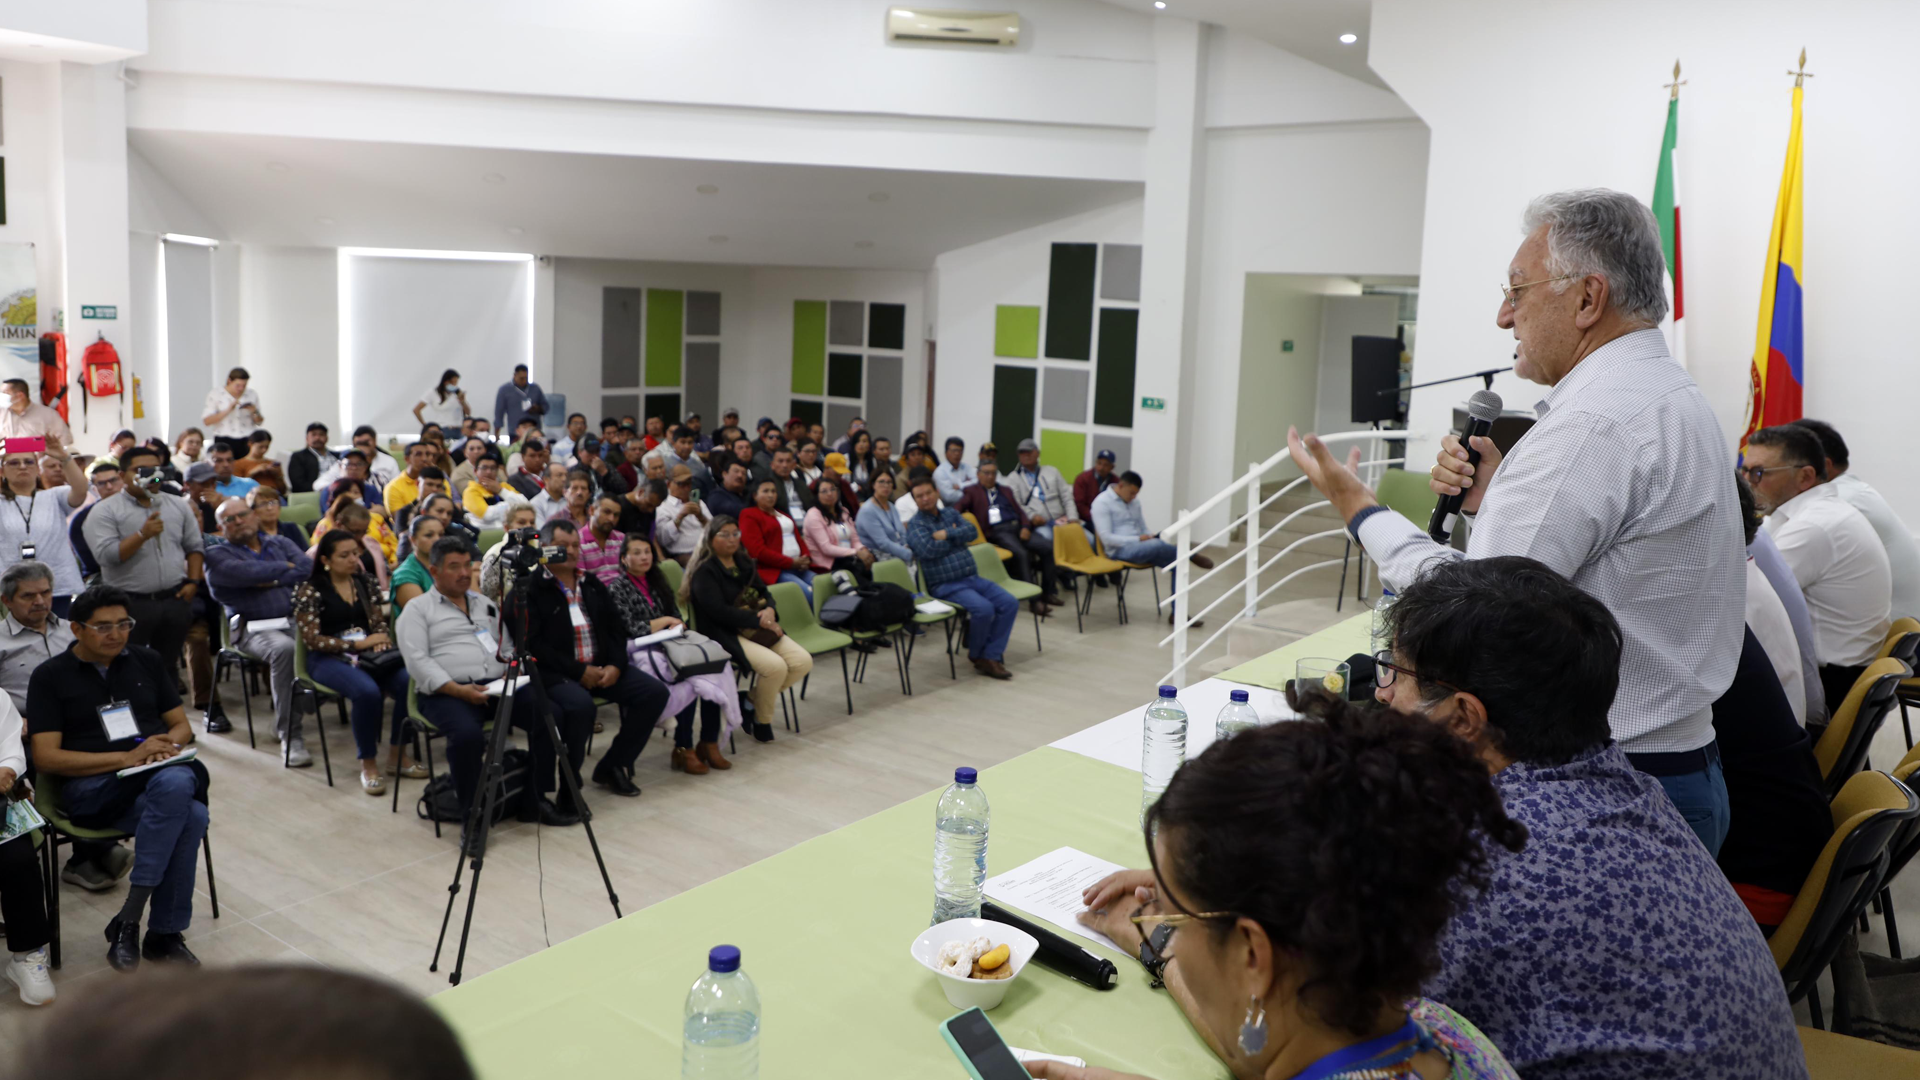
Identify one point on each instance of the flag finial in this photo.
(1677, 83)
(1800, 77)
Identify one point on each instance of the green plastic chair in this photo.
(894, 572)
(227, 655)
(304, 498)
(1404, 492)
(796, 618)
(306, 686)
(61, 830)
(993, 570)
(675, 574)
(490, 537)
(302, 514)
(824, 586)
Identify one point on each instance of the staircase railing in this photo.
(1246, 560)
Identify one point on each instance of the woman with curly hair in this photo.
(1302, 875)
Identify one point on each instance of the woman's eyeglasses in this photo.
(1385, 671)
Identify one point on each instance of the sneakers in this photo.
(412, 771)
(87, 874)
(118, 861)
(297, 756)
(29, 972)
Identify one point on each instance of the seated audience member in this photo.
(529, 479)
(730, 603)
(834, 467)
(1089, 485)
(632, 467)
(600, 541)
(33, 522)
(348, 637)
(551, 502)
(609, 427)
(1041, 492)
(883, 461)
(833, 543)
(404, 490)
(1767, 618)
(939, 537)
(308, 462)
(954, 474)
(861, 464)
(796, 432)
(23, 891)
(771, 441)
(653, 466)
(102, 706)
(525, 431)
(188, 449)
(436, 505)
(447, 640)
(229, 485)
(591, 457)
(358, 520)
(120, 441)
(905, 506)
(1903, 554)
(681, 452)
(266, 510)
(655, 433)
(564, 446)
(773, 540)
(806, 462)
(410, 578)
(352, 471)
(646, 605)
(1005, 524)
(1122, 529)
(24, 418)
(639, 508)
(701, 443)
(844, 444)
(579, 648)
(488, 499)
(1765, 556)
(259, 452)
(745, 451)
(680, 519)
(1840, 564)
(879, 526)
(1305, 875)
(492, 573)
(577, 493)
(793, 495)
(470, 453)
(731, 498)
(817, 433)
(203, 496)
(252, 575)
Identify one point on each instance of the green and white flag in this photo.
(1666, 211)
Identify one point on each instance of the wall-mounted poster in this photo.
(19, 315)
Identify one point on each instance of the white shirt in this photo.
(683, 538)
(1903, 555)
(447, 414)
(789, 545)
(1625, 486)
(42, 520)
(545, 506)
(1843, 570)
(1767, 618)
(381, 469)
(237, 424)
(905, 507)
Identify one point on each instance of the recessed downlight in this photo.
(1348, 39)
(1160, 4)
(716, 239)
(863, 244)
(879, 196)
(493, 178)
(514, 230)
(708, 189)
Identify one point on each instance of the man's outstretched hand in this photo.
(1339, 482)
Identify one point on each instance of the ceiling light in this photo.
(185, 238)
(323, 221)
(514, 230)
(276, 166)
(716, 239)
(493, 178)
(879, 196)
(1160, 4)
(708, 189)
(863, 244)
(1348, 39)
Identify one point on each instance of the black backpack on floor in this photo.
(439, 802)
(881, 605)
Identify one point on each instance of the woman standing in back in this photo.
(729, 601)
(445, 404)
(33, 521)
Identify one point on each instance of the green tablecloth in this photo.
(823, 930)
(1336, 642)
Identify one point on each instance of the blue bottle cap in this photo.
(723, 958)
(964, 775)
(1239, 696)
(1168, 691)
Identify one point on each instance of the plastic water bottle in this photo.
(722, 1032)
(1382, 636)
(959, 849)
(1237, 717)
(1163, 747)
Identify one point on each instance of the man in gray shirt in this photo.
(149, 544)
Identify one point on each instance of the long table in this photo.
(823, 929)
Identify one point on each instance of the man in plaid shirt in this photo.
(939, 537)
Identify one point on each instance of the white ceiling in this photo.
(325, 193)
(1307, 28)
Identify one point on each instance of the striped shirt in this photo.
(1625, 486)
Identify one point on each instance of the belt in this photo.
(1679, 763)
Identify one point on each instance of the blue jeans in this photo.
(1701, 798)
(802, 578)
(1152, 552)
(641, 697)
(467, 744)
(365, 695)
(166, 823)
(991, 613)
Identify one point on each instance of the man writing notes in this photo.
(1623, 486)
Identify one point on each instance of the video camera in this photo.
(524, 552)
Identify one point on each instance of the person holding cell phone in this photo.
(104, 706)
(232, 411)
(33, 520)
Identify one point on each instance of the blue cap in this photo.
(964, 775)
(1168, 691)
(1237, 695)
(723, 958)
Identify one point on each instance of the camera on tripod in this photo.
(524, 552)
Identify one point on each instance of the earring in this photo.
(1253, 1030)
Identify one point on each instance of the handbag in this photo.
(752, 602)
(694, 653)
(379, 665)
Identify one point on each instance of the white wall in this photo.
(1495, 145)
(1277, 388)
(289, 332)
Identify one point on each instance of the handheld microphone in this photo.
(1483, 408)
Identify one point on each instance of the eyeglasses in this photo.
(1385, 670)
(1179, 919)
(123, 626)
(1757, 473)
(22, 463)
(1511, 293)
(231, 518)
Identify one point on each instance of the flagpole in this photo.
(1666, 212)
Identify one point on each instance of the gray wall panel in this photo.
(703, 377)
(846, 323)
(1122, 447)
(1063, 395)
(883, 398)
(620, 337)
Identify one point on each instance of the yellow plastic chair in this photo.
(980, 536)
(1071, 551)
(1843, 1057)
(1842, 749)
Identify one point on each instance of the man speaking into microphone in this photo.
(1624, 485)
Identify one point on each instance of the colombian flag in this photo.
(1778, 352)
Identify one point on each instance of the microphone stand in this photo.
(1487, 375)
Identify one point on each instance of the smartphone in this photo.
(36, 444)
(980, 1048)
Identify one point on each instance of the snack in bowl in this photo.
(975, 959)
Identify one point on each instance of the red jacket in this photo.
(1086, 487)
(760, 532)
(973, 500)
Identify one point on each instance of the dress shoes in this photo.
(1202, 561)
(992, 669)
(1052, 600)
(123, 945)
(616, 780)
(684, 761)
(761, 732)
(168, 949)
(217, 722)
(543, 810)
(710, 755)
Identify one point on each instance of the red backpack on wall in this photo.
(100, 373)
(53, 372)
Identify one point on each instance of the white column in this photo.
(1170, 266)
(89, 174)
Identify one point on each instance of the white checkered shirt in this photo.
(1625, 485)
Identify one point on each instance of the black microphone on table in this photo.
(1483, 408)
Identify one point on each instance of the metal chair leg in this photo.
(1906, 724)
(1813, 1006)
(795, 699)
(846, 681)
(213, 890)
(1886, 916)
(1037, 647)
(50, 854)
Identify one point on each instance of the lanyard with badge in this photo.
(116, 719)
(27, 549)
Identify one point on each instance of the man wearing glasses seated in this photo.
(100, 707)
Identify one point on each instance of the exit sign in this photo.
(1287, 345)
(1154, 404)
(99, 311)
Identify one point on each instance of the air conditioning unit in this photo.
(962, 27)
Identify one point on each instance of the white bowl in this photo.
(965, 993)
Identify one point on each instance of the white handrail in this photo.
(1186, 518)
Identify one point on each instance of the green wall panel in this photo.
(1064, 450)
(809, 347)
(1014, 392)
(666, 330)
(1016, 331)
(1113, 374)
(1070, 301)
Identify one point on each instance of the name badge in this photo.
(485, 637)
(117, 719)
(525, 404)
(577, 616)
(353, 634)
(993, 515)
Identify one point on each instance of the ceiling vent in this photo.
(962, 27)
